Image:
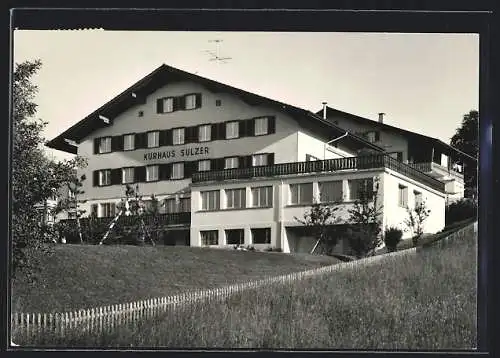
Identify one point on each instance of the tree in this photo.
(466, 139)
(318, 222)
(365, 219)
(34, 175)
(415, 221)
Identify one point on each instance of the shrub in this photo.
(250, 248)
(460, 210)
(392, 237)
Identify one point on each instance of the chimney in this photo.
(381, 117)
(324, 110)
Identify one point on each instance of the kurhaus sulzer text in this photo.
(174, 153)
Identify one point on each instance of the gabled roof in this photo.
(163, 75)
(438, 144)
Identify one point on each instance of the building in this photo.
(427, 154)
(231, 166)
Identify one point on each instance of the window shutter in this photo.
(242, 128)
(222, 130)
(139, 174)
(164, 171)
(163, 138)
(270, 159)
(189, 168)
(271, 122)
(377, 136)
(139, 140)
(179, 103)
(242, 161)
(198, 100)
(214, 131)
(95, 181)
(250, 127)
(159, 105)
(115, 143)
(116, 176)
(96, 145)
(220, 163)
(248, 161)
(213, 164)
(169, 137)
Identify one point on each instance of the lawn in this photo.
(425, 300)
(86, 276)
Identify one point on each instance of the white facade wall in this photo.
(395, 215)
(308, 144)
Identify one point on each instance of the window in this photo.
(261, 126)
(105, 177)
(232, 130)
(171, 205)
(127, 175)
(168, 104)
(235, 198)
(372, 136)
(330, 191)
(209, 237)
(231, 163)
(235, 237)
(178, 136)
(402, 196)
(301, 193)
(259, 159)
(358, 188)
(261, 236)
(203, 165)
(210, 200)
(129, 142)
(177, 171)
(107, 210)
(153, 139)
(218, 102)
(262, 196)
(184, 205)
(105, 145)
(190, 101)
(418, 198)
(152, 172)
(204, 133)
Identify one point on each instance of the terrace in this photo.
(377, 161)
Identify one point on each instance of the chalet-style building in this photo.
(231, 167)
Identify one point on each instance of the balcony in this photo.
(170, 219)
(437, 170)
(378, 161)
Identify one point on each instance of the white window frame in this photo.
(262, 196)
(129, 144)
(152, 172)
(105, 177)
(261, 126)
(168, 105)
(235, 198)
(258, 159)
(187, 99)
(231, 162)
(267, 229)
(241, 240)
(353, 195)
(419, 199)
(212, 232)
(177, 171)
(153, 139)
(329, 184)
(103, 207)
(205, 133)
(232, 130)
(104, 145)
(300, 189)
(210, 200)
(178, 136)
(402, 195)
(129, 171)
(202, 165)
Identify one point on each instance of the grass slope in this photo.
(424, 301)
(86, 276)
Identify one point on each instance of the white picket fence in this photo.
(30, 327)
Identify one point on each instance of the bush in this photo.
(392, 237)
(460, 210)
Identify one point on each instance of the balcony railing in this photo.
(321, 166)
(169, 219)
(437, 169)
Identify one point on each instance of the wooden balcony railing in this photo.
(321, 166)
(169, 219)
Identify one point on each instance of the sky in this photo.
(423, 82)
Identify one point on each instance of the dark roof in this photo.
(166, 74)
(438, 144)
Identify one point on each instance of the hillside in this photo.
(85, 276)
